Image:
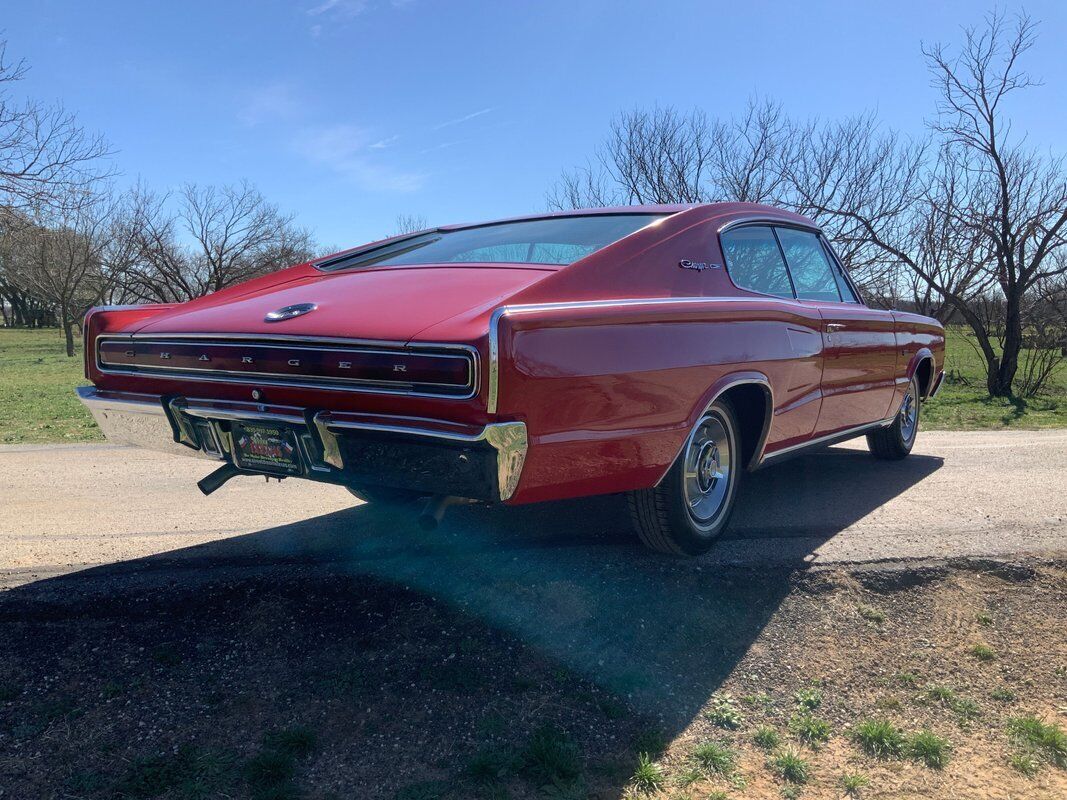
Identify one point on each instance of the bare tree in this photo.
(979, 221)
(409, 223)
(59, 256)
(664, 156)
(235, 234)
(45, 156)
(658, 156)
(1016, 203)
(861, 183)
(18, 304)
(967, 223)
(746, 154)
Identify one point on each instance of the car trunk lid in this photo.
(390, 305)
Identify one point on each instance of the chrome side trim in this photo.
(126, 307)
(509, 439)
(420, 349)
(839, 436)
(493, 371)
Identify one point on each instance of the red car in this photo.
(656, 351)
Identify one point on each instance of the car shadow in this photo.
(565, 580)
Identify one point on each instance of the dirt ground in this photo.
(991, 493)
(279, 642)
(299, 681)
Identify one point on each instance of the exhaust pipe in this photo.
(217, 478)
(435, 509)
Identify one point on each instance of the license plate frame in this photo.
(266, 448)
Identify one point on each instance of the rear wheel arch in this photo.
(753, 407)
(924, 373)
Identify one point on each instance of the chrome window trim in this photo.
(765, 220)
(811, 228)
(301, 382)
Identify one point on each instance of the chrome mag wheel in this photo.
(909, 415)
(706, 474)
(690, 507)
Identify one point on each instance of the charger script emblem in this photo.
(699, 266)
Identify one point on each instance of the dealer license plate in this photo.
(266, 448)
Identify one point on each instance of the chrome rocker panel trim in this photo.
(140, 420)
(825, 441)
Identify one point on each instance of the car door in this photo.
(859, 343)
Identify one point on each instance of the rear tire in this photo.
(895, 441)
(691, 506)
(384, 495)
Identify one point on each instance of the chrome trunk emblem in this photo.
(288, 312)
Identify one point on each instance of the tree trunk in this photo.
(1001, 375)
(68, 332)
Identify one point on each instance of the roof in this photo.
(716, 209)
(710, 210)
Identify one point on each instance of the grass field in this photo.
(37, 402)
(37, 380)
(966, 406)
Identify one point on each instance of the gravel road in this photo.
(69, 507)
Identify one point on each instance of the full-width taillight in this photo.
(437, 370)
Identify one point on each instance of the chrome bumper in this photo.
(332, 443)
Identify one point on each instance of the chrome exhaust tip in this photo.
(434, 510)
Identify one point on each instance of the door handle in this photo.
(834, 326)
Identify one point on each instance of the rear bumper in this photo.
(358, 450)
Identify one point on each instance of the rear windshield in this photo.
(560, 240)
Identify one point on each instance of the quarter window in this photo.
(755, 261)
(813, 275)
(848, 294)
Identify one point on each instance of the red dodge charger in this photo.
(656, 351)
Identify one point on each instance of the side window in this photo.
(848, 295)
(813, 275)
(755, 262)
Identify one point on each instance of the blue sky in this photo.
(349, 112)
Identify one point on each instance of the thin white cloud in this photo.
(442, 146)
(345, 9)
(381, 144)
(269, 103)
(345, 150)
(336, 14)
(464, 118)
